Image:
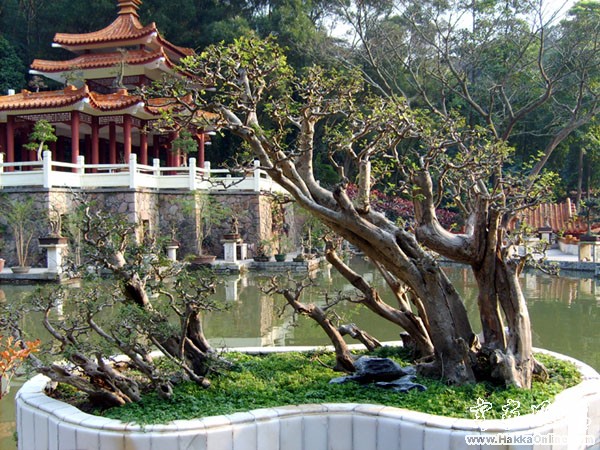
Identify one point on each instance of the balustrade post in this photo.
(156, 167)
(206, 169)
(256, 175)
(132, 170)
(192, 168)
(47, 169)
(80, 164)
(1, 168)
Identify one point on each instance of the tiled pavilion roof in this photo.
(70, 95)
(558, 216)
(125, 30)
(121, 100)
(99, 60)
(125, 27)
(46, 99)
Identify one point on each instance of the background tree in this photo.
(509, 67)
(11, 68)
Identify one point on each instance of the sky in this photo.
(561, 5)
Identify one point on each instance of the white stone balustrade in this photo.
(48, 173)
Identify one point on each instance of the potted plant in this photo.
(234, 230)
(42, 133)
(86, 362)
(262, 251)
(20, 218)
(207, 212)
(54, 230)
(280, 228)
(284, 244)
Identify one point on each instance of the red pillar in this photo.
(156, 146)
(126, 138)
(59, 149)
(10, 141)
(74, 136)
(201, 138)
(2, 137)
(112, 145)
(87, 148)
(143, 145)
(174, 155)
(27, 155)
(95, 141)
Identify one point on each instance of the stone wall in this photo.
(158, 212)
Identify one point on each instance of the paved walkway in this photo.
(555, 254)
(566, 261)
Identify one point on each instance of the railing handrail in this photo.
(23, 164)
(138, 175)
(65, 164)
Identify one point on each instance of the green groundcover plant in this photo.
(301, 378)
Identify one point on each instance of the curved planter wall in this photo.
(46, 423)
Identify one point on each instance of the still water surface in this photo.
(565, 315)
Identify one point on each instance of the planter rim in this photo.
(32, 394)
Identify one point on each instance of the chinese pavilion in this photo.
(97, 115)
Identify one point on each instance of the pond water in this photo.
(565, 313)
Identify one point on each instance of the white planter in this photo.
(46, 423)
(569, 249)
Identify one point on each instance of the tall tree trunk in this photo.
(507, 347)
(579, 180)
(449, 329)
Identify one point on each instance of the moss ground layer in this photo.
(300, 378)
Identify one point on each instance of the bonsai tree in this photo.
(429, 159)
(279, 227)
(590, 208)
(185, 144)
(155, 304)
(20, 218)
(206, 213)
(43, 132)
(263, 250)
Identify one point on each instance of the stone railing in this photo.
(48, 173)
(572, 421)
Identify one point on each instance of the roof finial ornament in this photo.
(129, 6)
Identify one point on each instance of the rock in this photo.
(403, 384)
(410, 370)
(339, 380)
(384, 373)
(369, 369)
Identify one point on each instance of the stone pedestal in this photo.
(230, 247)
(588, 248)
(54, 256)
(242, 250)
(545, 234)
(172, 251)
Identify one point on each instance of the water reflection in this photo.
(564, 313)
